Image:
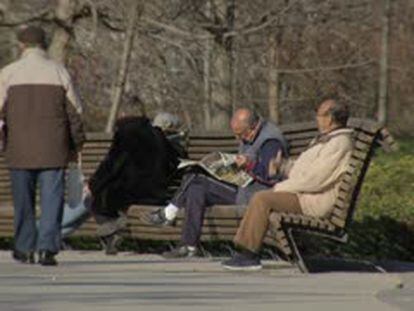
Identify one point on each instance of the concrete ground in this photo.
(92, 281)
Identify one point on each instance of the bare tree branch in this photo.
(43, 15)
(180, 47)
(94, 12)
(327, 68)
(246, 30)
(118, 89)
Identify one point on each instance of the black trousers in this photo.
(196, 193)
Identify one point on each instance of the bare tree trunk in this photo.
(231, 17)
(64, 12)
(383, 81)
(188, 120)
(233, 77)
(220, 89)
(6, 36)
(119, 86)
(273, 80)
(221, 105)
(206, 76)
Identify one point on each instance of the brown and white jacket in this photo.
(42, 112)
(316, 174)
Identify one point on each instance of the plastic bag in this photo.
(74, 183)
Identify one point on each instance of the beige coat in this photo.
(315, 175)
(42, 112)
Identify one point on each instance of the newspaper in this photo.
(222, 166)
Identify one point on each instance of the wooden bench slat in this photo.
(340, 222)
(340, 213)
(298, 127)
(212, 222)
(213, 143)
(309, 135)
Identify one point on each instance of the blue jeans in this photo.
(27, 238)
(74, 217)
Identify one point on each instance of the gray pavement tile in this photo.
(401, 296)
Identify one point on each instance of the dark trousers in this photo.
(51, 183)
(196, 193)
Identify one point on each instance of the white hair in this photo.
(166, 121)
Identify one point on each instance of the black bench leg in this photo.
(297, 258)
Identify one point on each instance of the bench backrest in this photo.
(5, 187)
(199, 144)
(368, 135)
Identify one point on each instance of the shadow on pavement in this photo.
(321, 265)
(396, 266)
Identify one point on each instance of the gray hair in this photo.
(166, 121)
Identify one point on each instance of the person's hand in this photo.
(86, 191)
(275, 164)
(241, 160)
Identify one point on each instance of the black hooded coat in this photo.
(136, 170)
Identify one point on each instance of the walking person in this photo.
(42, 115)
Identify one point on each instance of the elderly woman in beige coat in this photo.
(310, 187)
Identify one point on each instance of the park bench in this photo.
(221, 222)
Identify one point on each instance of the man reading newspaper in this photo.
(260, 142)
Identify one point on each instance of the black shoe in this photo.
(181, 252)
(47, 258)
(24, 257)
(158, 218)
(243, 262)
(111, 243)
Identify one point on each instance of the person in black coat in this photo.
(136, 170)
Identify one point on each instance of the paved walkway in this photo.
(92, 281)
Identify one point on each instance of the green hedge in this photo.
(389, 186)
